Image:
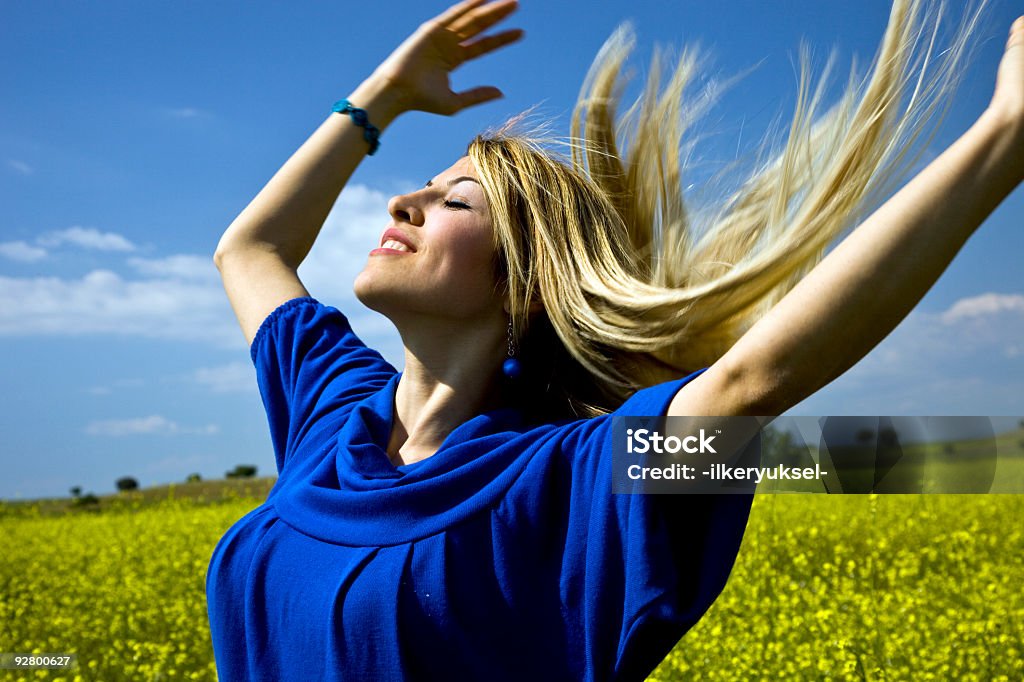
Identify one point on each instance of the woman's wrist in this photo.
(379, 99)
(1008, 127)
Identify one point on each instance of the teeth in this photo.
(392, 244)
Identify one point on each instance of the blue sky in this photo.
(132, 133)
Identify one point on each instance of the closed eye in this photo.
(455, 204)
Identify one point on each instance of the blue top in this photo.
(502, 556)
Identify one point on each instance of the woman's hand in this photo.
(417, 72)
(1008, 100)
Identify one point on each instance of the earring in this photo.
(511, 368)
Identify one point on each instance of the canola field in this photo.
(856, 587)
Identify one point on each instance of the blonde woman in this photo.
(455, 520)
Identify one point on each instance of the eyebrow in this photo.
(454, 181)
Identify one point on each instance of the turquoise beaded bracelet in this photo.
(359, 117)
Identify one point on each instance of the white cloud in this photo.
(119, 384)
(102, 302)
(229, 378)
(187, 267)
(966, 359)
(21, 251)
(128, 427)
(985, 305)
(20, 167)
(152, 425)
(181, 297)
(87, 238)
(82, 237)
(973, 327)
(185, 112)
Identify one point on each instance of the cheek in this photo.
(467, 253)
(469, 264)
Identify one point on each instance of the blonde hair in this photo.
(634, 292)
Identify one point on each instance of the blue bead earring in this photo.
(511, 368)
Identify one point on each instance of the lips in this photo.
(395, 235)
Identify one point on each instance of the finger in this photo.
(482, 18)
(474, 96)
(490, 43)
(456, 11)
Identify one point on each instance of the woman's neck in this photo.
(446, 381)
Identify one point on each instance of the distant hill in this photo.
(212, 491)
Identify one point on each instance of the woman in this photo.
(455, 520)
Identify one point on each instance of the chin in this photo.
(381, 297)
(366, 293)
(396, 299)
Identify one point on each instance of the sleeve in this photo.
(649, 566)
(309, 365)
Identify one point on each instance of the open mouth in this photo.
(394, 239)
(395, 245)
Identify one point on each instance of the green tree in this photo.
(126, 483)
(242, 471)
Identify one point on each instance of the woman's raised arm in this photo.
(259, 254)
(873, 279)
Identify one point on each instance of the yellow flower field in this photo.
(868, 587)
(826, 587)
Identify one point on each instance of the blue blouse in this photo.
(502, 556)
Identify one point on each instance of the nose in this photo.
(403, 207)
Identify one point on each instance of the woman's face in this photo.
(435, 256)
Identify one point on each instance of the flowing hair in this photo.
(635, 290)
